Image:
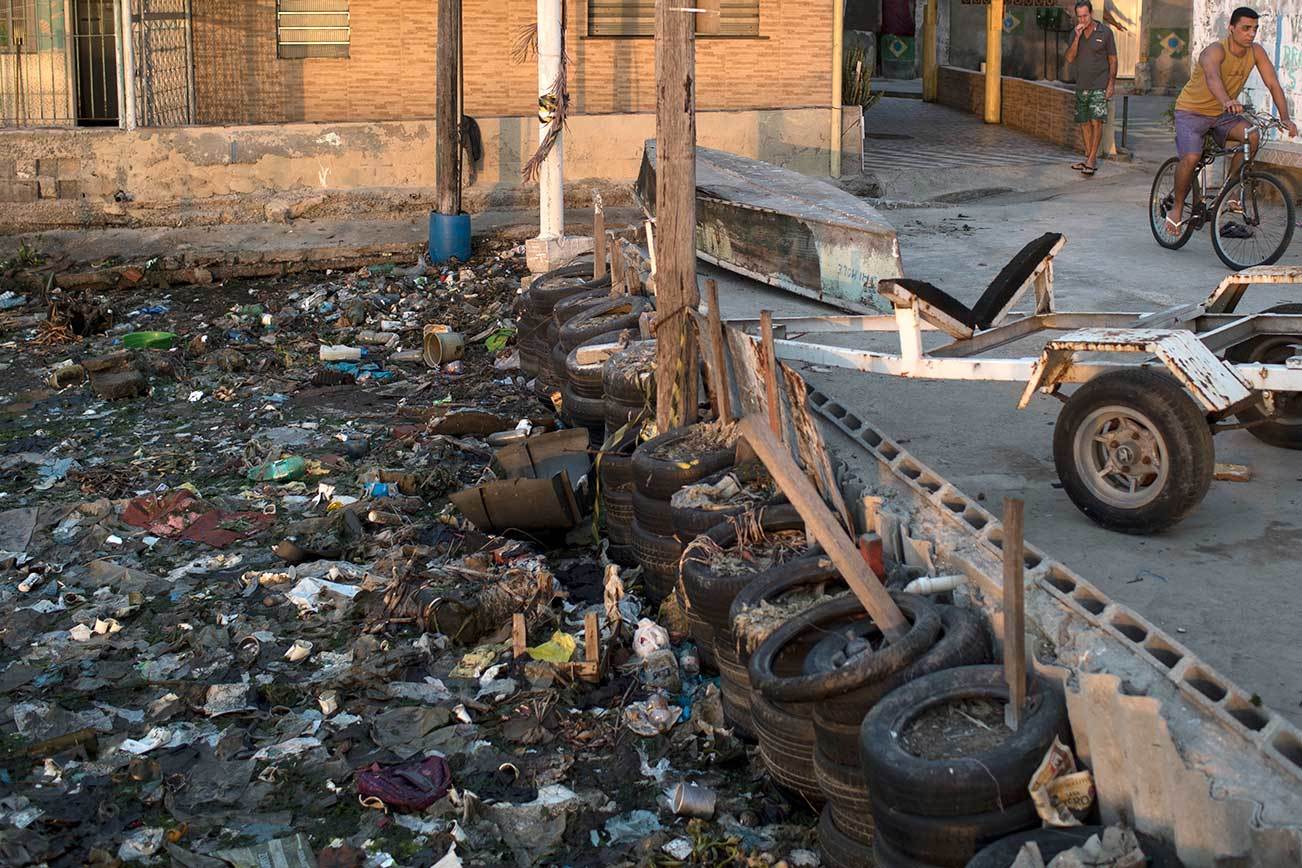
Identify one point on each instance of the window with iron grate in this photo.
(312, 28)
(638, 17)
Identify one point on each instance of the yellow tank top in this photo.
(1197, 98)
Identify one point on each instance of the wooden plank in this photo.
(811, 447)
(770, 372)
(598, 238)
(722, 400)
(591, 647)
(1014, 613)
(822, 525)
(519, 637)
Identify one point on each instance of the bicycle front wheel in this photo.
(1162, 199)
(1253, 223)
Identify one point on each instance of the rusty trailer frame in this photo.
(1189, 341)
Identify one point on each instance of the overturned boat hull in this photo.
(786, 229)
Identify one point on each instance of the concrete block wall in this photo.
(1038, 109)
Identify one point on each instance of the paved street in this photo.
(1225, 580)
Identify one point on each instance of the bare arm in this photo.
(1075, 44)
(1271, 80)
(1210, 61)
(1112, 75)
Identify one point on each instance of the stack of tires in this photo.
(940, 810)
(782, 705)
(537, 304)
(629, 387)
(656, 476)
(858, 672)
(582, 393)
(598, 321)
(627, 381)
(814, 577)
(712, 595)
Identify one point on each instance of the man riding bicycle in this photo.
(1209, 102)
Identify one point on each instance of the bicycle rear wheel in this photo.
(1162, 199)
(1260, 231)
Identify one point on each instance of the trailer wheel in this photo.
(1283, 428)
(1133, 451)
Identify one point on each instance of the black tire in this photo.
(1164, 185)
(964, 640)
(1053, 841)
(653, 515)
(573, 306)
(626, 418)
(690, 522)
(886, 856)
(613, 314)
(559, 284)
(839, 849)
(847, 795)
(713, 595)
(1268, 213)
(629, 375)
(734, 689)
(585, 380)
(924, 626)
(588, 412)
(659, 557)
(1173, 437)
(786, 743)
(625, 556)
(964, 785)
(618, 506)
(1284, 428)
(949, 842)
(615, 470)
(659, 479)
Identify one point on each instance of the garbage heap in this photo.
(391, 568)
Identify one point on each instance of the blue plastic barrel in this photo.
(449, 237)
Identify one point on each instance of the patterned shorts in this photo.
(1091, 105)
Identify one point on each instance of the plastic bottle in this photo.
(341, 353)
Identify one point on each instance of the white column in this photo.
(551, 179)
(127, 61)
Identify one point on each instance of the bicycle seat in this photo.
(948, 314)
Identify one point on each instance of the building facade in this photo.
(209, 107)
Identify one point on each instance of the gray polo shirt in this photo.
(1092, 58)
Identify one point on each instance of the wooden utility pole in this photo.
(447, 124)
(930, 69)
(994, 59)
(676, 292)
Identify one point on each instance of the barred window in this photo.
(638, 17)
(312, 28)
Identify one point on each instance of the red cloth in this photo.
(897, 17)
(179, 514)
(406, 787)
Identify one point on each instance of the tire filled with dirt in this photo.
(782, 706)
(628, 387)
(536, 306)
(946, 776)
(660, 467)
(717, 565)
(766, 602)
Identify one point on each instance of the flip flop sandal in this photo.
(1078, 166)
(1173, 227)
(1088, 170)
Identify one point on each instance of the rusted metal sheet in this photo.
(1214, 383)
(786, 229)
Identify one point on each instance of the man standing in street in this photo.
(1094, 51)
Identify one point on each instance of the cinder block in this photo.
(68, 189)
(49, 189)
(8, 169)
(17, 190)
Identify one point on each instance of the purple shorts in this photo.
(1191, 127)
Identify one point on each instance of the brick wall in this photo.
(1032, 107)
(390, 71)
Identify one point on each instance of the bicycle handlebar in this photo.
(1265, 122)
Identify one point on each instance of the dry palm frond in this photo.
(526, 44)
(553, 105)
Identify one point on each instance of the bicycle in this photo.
(1251, 228)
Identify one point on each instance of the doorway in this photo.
(95, 41)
